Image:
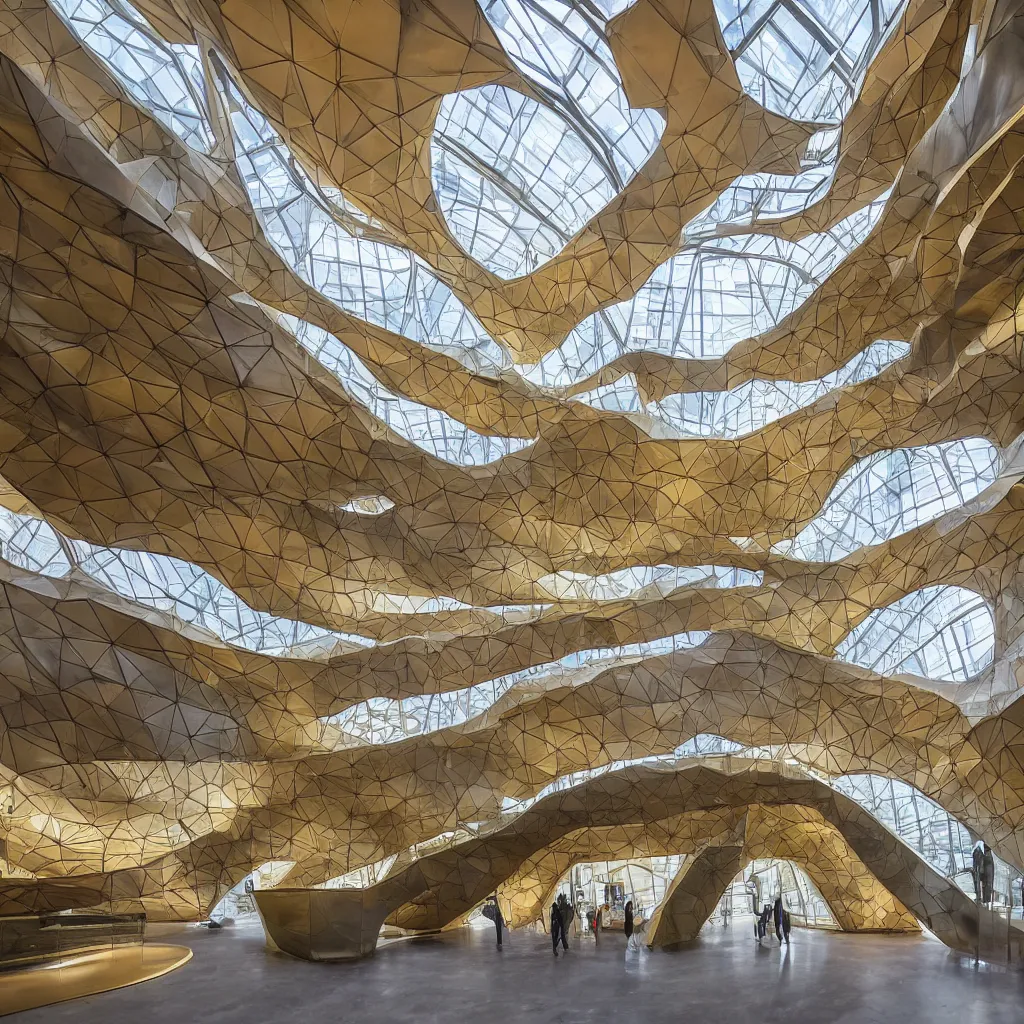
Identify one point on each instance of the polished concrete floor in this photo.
(460, 977)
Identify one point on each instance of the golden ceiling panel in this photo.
(371, 468)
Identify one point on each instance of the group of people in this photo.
(561, 917)
(779, 916)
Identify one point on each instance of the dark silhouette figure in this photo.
(492, 911)
(785, 925)
(557, 929)
(977, 867)
(988, 876)
(627, 924)
(565, 909)
(762, 921)
(777, 914)
(983, 870)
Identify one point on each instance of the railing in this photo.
(35, 938)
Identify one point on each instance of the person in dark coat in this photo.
(565, 909)
(778, 912)
(627, 924)
(493, 911)
(762, 921)
(785, 925)
(557, 929)
(988, 876)
(978, 867)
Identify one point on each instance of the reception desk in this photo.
(321, 924)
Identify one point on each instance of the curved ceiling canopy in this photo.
(409, 413)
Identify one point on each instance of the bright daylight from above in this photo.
(511, 509)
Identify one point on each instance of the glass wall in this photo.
(935, 834)
(237, 903)
(761, 882)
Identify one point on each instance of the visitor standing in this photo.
(566, 911)
(492, 911)
(556, 929)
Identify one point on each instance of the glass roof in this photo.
(382, 720)
(894, 491)
(710, 296)
(164, 78)
(517, 178)
(318, 235)
(805, 59)
(943, 633)
(165, 584)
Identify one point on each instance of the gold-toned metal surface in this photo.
(872, 879)
(320, 924)
(159, 393)
(88, 974)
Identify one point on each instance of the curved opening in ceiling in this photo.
(706, 299)
(942, 633)
(165, 79)
(805, 59)
(329, 244)
(763, 198)
(924, 825)
(515, 176)
(513, 179)
(892, 492)
(383, 720)
(165, 584)
(370, 505)
(431, 430)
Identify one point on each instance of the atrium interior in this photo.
(486, 479)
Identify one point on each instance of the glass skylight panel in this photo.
(514, 181)
(161, 582)
(943, 633)
(805, 59)
(372, 505)
(380, 283)
(760, 198)
(747, 407)
(560, 45)
(517, 178)
(164, 78)
(430, 429)
(707, 744)
(382, 720)
(891, 492)
(361, 878)
(707, 298)
(704, 744)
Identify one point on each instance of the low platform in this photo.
(86, 974)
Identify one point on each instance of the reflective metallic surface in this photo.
(86, 974)
(414, 417)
